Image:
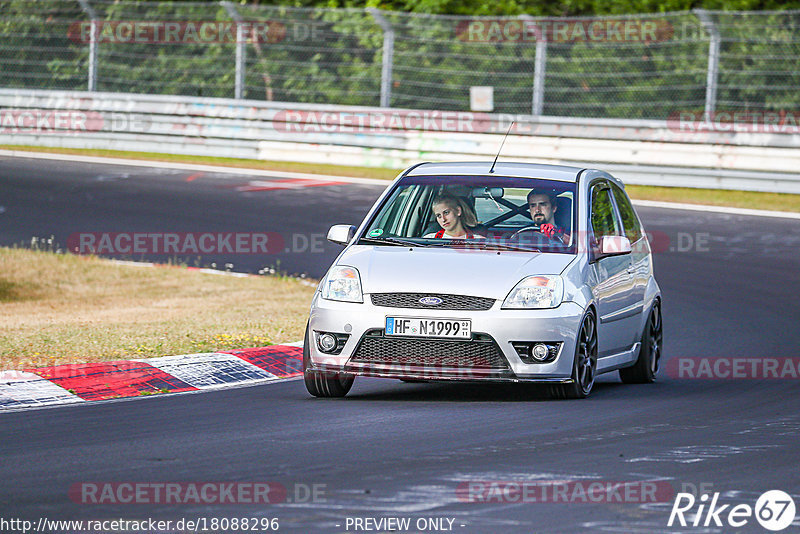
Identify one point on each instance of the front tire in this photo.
(646, 367)
(584, 367)
(320, 383)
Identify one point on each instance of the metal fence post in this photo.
(241, 51)
(92, 83)
(539, 66)
(713, 62)
(388, 55)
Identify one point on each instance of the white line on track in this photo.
(350, 179)
(190, 167)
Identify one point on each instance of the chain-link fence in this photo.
(647, 67)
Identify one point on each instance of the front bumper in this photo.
(502, 327)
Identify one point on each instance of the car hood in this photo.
(482, 273)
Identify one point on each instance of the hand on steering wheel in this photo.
(547, 230)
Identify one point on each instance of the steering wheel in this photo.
(534, 228)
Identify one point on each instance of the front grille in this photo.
(449, 302)
(475, 354)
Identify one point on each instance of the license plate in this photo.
(427, 327)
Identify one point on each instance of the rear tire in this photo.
(320, 383)
(646, 367)
(584, 366)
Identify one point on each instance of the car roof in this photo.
(523, 170)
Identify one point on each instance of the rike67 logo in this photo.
(774, 510)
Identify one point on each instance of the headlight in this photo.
(536, 292)
(343, 283)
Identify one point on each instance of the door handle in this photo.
(631, 269)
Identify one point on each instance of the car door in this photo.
(640, 259)
(614, 287)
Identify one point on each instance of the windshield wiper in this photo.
(491, 245)
(392, 241)
(400, 242)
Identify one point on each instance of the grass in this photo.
(714, 197)
(61, 308)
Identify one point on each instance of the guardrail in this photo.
(645, 152)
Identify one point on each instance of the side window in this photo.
(390, 221)
(633, 230)
(602, 216)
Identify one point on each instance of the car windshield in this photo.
(493, 212)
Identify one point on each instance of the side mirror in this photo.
(342, 234)
(613, 245)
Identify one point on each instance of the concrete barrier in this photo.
(640, 152)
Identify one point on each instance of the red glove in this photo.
(548, 229)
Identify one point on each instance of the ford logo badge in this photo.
(430, 301)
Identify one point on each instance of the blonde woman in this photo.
(455, 217)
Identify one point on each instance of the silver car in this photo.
(473, 271)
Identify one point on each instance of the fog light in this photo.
(327, 342)
(539, 352)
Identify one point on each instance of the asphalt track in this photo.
(402, 450)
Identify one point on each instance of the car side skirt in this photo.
(618, 361)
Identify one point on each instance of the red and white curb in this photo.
(76, 383)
